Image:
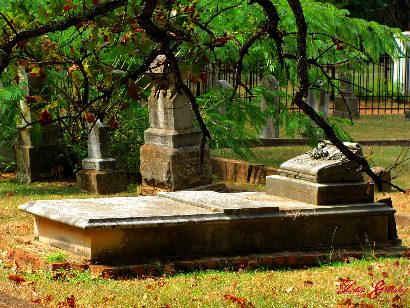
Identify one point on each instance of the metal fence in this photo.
(381, 88)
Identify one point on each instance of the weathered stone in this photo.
(346, 104)
(323, 176)
(36, 163)
(143, 228)
(99, 164)
(320, 193)
(407, 115)
(174, 169)
(171, 157)
(271, 130)
(99, 141)
(325, 164)
(385, 175)
(102, 181)
(100, 174)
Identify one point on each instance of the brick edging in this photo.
(289, 259)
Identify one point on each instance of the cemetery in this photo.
(172, 154)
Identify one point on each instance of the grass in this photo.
(383, 156)
(312, 287)
(375, 127)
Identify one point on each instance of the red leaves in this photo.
(45, 117)
(68, 302)
(31, 99)
(66, 8)
(90, 118)
(96, 1)
(113, 123)
(239, 300)
(17, 279)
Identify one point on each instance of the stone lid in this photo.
(324, 164)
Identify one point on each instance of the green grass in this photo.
(374, 127)
(312, 287)
(383, 156)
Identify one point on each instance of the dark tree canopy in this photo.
(94, 55)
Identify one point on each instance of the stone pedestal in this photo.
(171, 157)
(109, 181)
(323, 176)
(100, 174)
(346, 104)
(38, 153)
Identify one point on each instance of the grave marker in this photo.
(100, 174)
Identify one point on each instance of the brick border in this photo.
(289, 259)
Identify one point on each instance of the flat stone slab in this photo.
(113, 212)
(223, 203)
(203, 223)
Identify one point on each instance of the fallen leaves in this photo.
(17, 279)
(239, 300)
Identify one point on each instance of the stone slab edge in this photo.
(140, 222)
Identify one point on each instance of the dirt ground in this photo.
(7, 301)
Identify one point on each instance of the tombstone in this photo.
(320, 103)
(100, 174)
(346, 104)
(407, 115)
(171, 156)
(271, 130)
(222, 84)
(323, 176)
(37, 151)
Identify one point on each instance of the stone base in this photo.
(195, 224)
(102, 181)
(169, 169)
(346, 107)
(319, 193)
(36, 163)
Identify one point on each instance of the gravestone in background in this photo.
(37, 151)
(271, 130)
(171, 156)
(346, 103)
(100, 174)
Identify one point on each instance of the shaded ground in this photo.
(7, 301)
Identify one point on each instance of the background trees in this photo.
(393, 13)
(93, 55)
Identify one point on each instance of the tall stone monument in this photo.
(100, 174)
(346, 103)
(171, 156)
(37, 151)
(271, 130)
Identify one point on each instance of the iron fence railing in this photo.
(381, 88)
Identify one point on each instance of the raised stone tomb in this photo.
(190, 224)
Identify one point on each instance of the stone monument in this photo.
(171, 156)
(346, 103)
(271, 130)
(100, 174)
(37, 150)
(323, 176)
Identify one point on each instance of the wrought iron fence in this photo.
(381, 88)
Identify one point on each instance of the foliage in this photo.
(56, 257)
(94, 55)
